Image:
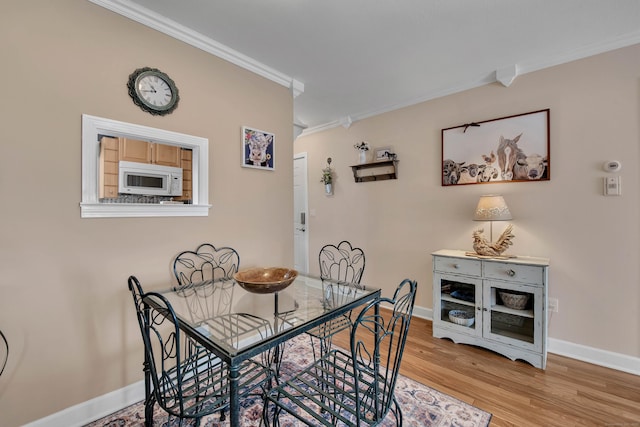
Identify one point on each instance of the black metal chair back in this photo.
(206, 263)
(186, 380)
(377, 346)
(342, 262)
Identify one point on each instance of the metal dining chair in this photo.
(356, 387)
(195, 270)
(206, 263)
(205, 280)
(344, 264)
(341, 262)
(185, 379)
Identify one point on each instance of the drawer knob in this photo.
(511, 273)
(456, 266)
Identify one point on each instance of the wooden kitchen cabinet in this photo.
(108, 168)
(166, 155)
(133, 150)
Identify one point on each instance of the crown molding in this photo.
(521, 68)
(506, 75)
(173, 29)
(482, 81)
(536, 64)
(297, 87)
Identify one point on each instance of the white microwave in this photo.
(149, 180)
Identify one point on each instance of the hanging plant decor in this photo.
(327, 178)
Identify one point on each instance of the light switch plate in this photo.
(612, 186)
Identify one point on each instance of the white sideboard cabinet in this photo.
(480, 301)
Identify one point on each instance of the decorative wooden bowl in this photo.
(265, 280)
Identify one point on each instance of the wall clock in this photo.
(153, 91)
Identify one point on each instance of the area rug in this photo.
(421, 406)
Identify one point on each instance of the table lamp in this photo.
(491, 208)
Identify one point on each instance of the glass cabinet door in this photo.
(511, 314)
(458, 298)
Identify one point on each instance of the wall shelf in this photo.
(375, 171)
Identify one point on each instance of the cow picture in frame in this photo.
(258, 149)
(508, 149)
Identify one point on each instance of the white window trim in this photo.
(90, 207)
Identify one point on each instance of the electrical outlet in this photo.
(553, 305)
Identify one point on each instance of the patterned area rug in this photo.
(421, 406)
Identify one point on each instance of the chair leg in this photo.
(273, 358)
(265, 412)
(148, 413)
(397, 412)
(325, 347)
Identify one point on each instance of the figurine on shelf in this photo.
(389, 155)
(483, 247)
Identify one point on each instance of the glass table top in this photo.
(233, 320)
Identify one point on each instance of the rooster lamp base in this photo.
(485, 248)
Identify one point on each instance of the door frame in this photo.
(305, 204)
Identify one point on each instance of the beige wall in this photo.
(63, 299)
(64, 304)
(592, 240)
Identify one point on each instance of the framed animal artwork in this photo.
(508, 149)
(258, 149)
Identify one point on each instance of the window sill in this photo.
(124, 210)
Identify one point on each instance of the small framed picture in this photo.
(258, 149)
(384, 154)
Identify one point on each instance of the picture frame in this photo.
(383, 154)
(508, 149)
(258, 149)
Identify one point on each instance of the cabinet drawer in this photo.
(457, 265)
(514, 273)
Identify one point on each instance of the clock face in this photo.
(153, 91)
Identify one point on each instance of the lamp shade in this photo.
(492, 207)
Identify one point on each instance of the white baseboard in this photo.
(608, 359)
(91, 410)
(423, 313)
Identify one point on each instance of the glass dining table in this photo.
(236, 325)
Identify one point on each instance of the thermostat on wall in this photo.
(612, 166)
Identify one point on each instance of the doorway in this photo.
(300, 214)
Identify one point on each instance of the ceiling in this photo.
(346, 60)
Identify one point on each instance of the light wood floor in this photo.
(568, 393)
